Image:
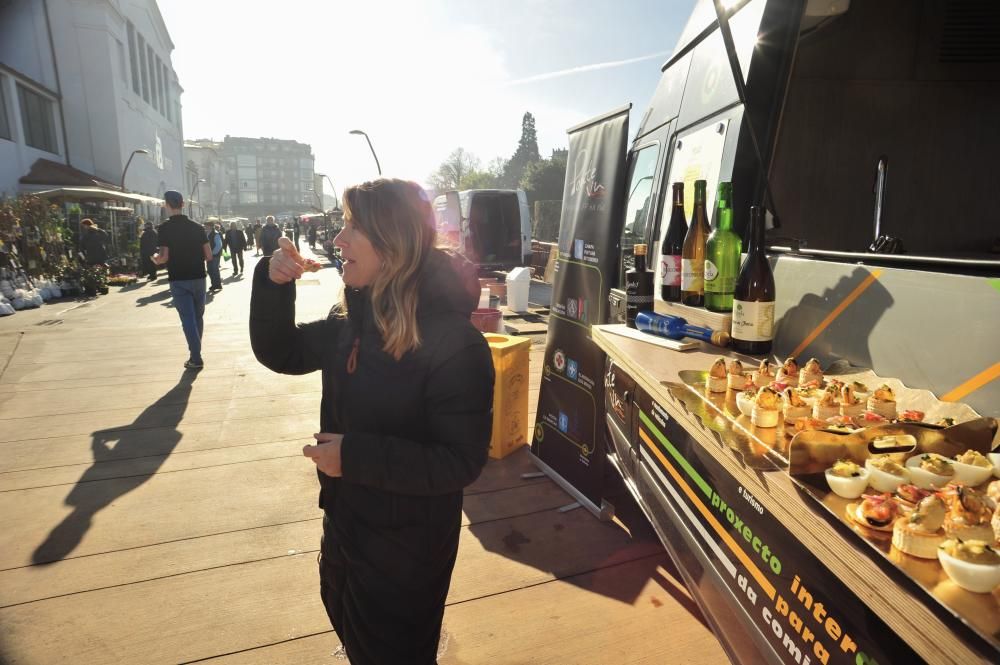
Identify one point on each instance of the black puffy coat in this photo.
(269, 236)
(416, 432)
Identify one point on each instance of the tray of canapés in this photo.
(772, 403)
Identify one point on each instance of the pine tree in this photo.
(526, 153)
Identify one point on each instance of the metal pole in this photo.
(377, 165)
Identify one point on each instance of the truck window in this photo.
(640, 195)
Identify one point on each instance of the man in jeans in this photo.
(215, 246)
(184, 248)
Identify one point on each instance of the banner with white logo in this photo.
(568, 436)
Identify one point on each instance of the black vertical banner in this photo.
(568, 438)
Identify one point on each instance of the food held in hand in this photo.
(811, 372)
(737, 379)
(910, 495)
(309, 265)
(826, 406)
(883, 402)
(788, 374)
(850, 404)
(763, 375)
(968, 515)
(972, 564)
(972, 468)
(765, 409)
(921, 532)
(930, 470)
(794, 406)
(876, 511)
(718, 377)
(847, 479)
(886, 473)
(911, 416)
(945, 422)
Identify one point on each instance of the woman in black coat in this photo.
(149, 244)
(405, 416)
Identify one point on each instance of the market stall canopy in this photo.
(95, 194)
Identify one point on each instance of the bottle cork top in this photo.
(639, 250)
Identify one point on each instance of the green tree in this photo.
(526, 153)
(545, 179)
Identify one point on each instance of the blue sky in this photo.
(421, 78)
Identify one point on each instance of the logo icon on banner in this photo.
(563, 422)
(572, 369)
(572, 308)
(578, 249)
(559, 360)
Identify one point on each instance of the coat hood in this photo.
(448, 283)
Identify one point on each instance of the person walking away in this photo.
(247, 236)
(237, 243)
(185, 251)
(405, 416)
(215, 243)
(93, 243)
(256, 237)
(269, 236)
(312, 236)
(297, 231)
(148, 243)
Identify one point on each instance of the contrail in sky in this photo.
(587, 68)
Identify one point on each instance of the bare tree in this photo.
(454, 170)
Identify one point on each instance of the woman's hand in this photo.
(326, 453)
(286, 263)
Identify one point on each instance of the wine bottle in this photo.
(693, 253)
(675, 327)
(638, 287)
(672, 247)
(722, 255)
(753, 299)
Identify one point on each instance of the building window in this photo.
(38, 120)
(168, 103)
(143, 67)
(159, 84)
(152, 77)
(4, 121)
(133, 59)
(121, 61)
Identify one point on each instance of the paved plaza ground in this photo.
(153, 515)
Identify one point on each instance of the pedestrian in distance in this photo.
(269, 236)
(296, 231)
(405, 416)
(247, 236)
(257, 228)
(312, 236)
(93, 243)
(148, 243)
(185, 250)
(237, 244)
(215, 242)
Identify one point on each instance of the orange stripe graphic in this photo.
(973, 384)
(868, 281)
(764, 583)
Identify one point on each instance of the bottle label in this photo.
(753, 321)
(692, 275)
(711, 272)
(718, 282)
(670, 270)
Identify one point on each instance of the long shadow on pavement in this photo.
(88, 496)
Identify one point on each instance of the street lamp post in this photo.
(358, 132)
(336, 200)
(193, 192)
(140, 151)
(218, 204)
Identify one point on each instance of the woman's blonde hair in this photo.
(396, 217)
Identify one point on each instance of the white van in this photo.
(490, 227)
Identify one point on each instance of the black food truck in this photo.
(836, 511)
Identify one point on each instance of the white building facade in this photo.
(85, 83)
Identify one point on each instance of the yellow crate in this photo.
(510, 393)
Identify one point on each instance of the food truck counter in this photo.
(805, 586)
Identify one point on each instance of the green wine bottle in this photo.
(722, 255)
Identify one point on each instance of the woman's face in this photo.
(361, 262)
